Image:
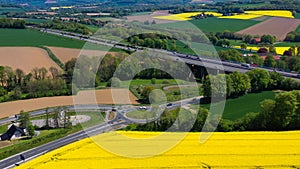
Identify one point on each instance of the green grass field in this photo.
(10, 9)
(286, 44)
(237, 108)
(35, 20)
(140, 114)
(297, 16)
(298, 29)
(214, 24)
(29, 37)
(140, 13)
(257, 5)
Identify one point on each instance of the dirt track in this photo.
(25, 58)
(66, 54)
(106, 96)
(278, 27)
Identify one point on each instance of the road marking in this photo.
(27, 159)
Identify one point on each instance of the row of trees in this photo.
(264, 39)
(66, 26)
(16, 84)
(293, 37)
(153, 41)
(238, 84)
(12, 23)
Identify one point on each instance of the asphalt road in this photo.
(119, 121)
(190, 59)
(33, 153)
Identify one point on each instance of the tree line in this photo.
(70, 26)
(12, 23)
(293, 37)
(40, 82)
(238, 84)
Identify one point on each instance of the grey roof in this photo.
(11, 131)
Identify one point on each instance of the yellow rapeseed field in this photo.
(222, 150)
(185, 16)
(279, 50)
(275, 13)
(245, 16)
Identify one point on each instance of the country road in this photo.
(118, 122)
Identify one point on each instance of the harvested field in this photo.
(278, 27)
(66, 54)
(121, 96)
(25, 58)
(150, 18)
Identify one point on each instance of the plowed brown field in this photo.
(106, 96)
(66, 54)
(143, 18)
(278, 27)
(25, 58)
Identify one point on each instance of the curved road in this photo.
(119, 121)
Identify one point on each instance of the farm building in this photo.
(12, 133)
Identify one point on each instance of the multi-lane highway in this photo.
(206, 62)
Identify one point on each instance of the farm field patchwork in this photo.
(283, 27)
(105, 96)
(221, 150)
(26, 58)
(151, 17)
(213, 24)
(247, 15)
(186, 16)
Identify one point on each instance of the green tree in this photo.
(24, 119)
(285, 109)
(215, 86)
(243, 46)
(240, 83)
(267, 108)
(270, 61)
(268, 39)
(146, 92)
(47, 125)
(31, 131)
(259, 79)
(275, 80)
(153, 81)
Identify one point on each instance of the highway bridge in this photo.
(201, 62)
